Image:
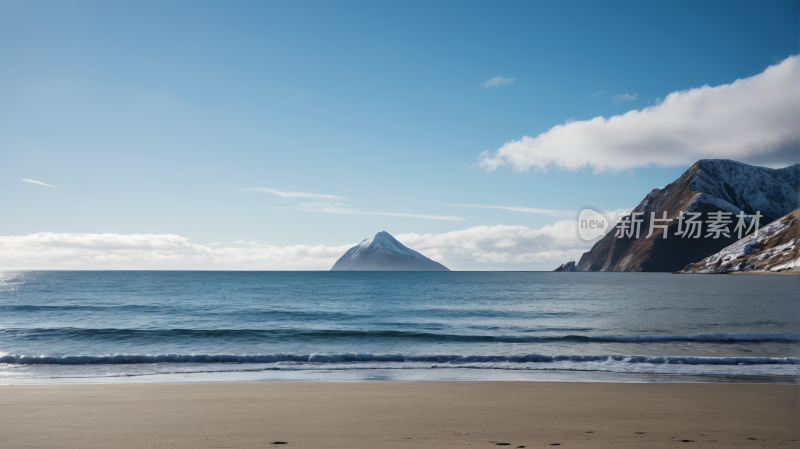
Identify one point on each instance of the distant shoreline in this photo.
(756, 273)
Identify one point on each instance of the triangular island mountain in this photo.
(384, 253)
(710, 185)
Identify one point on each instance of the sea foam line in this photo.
(119, 359)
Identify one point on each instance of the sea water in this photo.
(107, 324)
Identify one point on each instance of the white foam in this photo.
(338, 358)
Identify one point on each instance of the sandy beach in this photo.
(399, 415)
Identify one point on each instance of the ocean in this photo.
(199, 325)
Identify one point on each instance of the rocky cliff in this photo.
(710, 185)
(775, 249)
(569, 266)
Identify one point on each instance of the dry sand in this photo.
(399, 415)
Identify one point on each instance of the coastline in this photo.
(399, 415)
(754, 273)
(381, 375)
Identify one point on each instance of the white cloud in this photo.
(530, 210)
(47, 250)
(295, 194)
(503, 247)
(599, 92)
(498, 81)
(753, 120)
(498, 247)
(37, 182)
(622, 98)
(477, 248)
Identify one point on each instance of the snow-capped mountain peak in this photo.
(385, 243)
(384, 253)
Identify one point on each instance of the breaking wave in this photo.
(455, 360)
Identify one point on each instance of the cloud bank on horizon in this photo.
(753, 120)
(49, 250)
(476, 248)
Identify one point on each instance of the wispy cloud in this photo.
(498, 81)
(296, 194)
(338, 208)
(332, 204)
(752, 120)
(599, 92)
(427, 217)
(37, 182)
(530, 210)
(622, 98)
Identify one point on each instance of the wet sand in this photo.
(399, 415)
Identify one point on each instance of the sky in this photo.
(275, 135)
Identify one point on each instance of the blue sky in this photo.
(161, 117)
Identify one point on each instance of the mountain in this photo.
(777, 248)
(569, 266)
(384, 253)
(709, 185)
